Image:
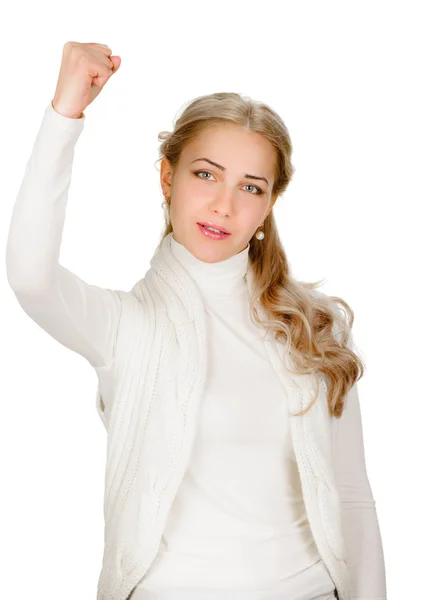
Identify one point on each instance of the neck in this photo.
(224, 278)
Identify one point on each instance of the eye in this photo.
(259, 190)
(197, 173)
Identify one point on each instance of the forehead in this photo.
(233, 147)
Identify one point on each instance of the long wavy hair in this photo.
(312, 324)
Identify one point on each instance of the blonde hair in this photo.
(312, 325)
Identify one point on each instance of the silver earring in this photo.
(260, 235)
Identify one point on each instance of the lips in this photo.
(207, 224)
(212, 235)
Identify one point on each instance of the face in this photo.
(235, 195)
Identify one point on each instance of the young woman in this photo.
(235, 459)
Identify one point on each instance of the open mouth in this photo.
(212, 232)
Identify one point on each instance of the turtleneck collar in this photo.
(225, 278)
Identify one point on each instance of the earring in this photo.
(260, 235)
(164, 204)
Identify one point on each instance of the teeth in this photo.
(212, 229)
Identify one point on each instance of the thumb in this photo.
(101, 81)
(116, 60)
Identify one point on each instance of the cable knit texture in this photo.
(145, 468)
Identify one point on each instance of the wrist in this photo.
(65, 113)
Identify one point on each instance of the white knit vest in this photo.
(151, 415)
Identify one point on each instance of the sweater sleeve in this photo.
(81, 316)
(365, 557)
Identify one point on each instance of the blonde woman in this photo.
(235, 461)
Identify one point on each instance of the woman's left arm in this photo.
(365, 557)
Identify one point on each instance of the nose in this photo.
(223, 202)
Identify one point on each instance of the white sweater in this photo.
(237, 520)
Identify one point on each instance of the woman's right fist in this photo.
(84, 71)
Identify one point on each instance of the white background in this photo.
(361, 87)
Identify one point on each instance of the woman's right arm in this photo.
(81, 316)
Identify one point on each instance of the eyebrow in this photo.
(224, 169)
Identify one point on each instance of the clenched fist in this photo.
(84, 71)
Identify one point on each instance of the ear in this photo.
(166, 173)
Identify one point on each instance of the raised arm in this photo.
(365, 557)
(80, 316)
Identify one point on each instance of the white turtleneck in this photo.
(237, 528)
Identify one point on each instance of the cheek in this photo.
(191, 194)
(190, 184)
(252, 216)
(185, 206)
